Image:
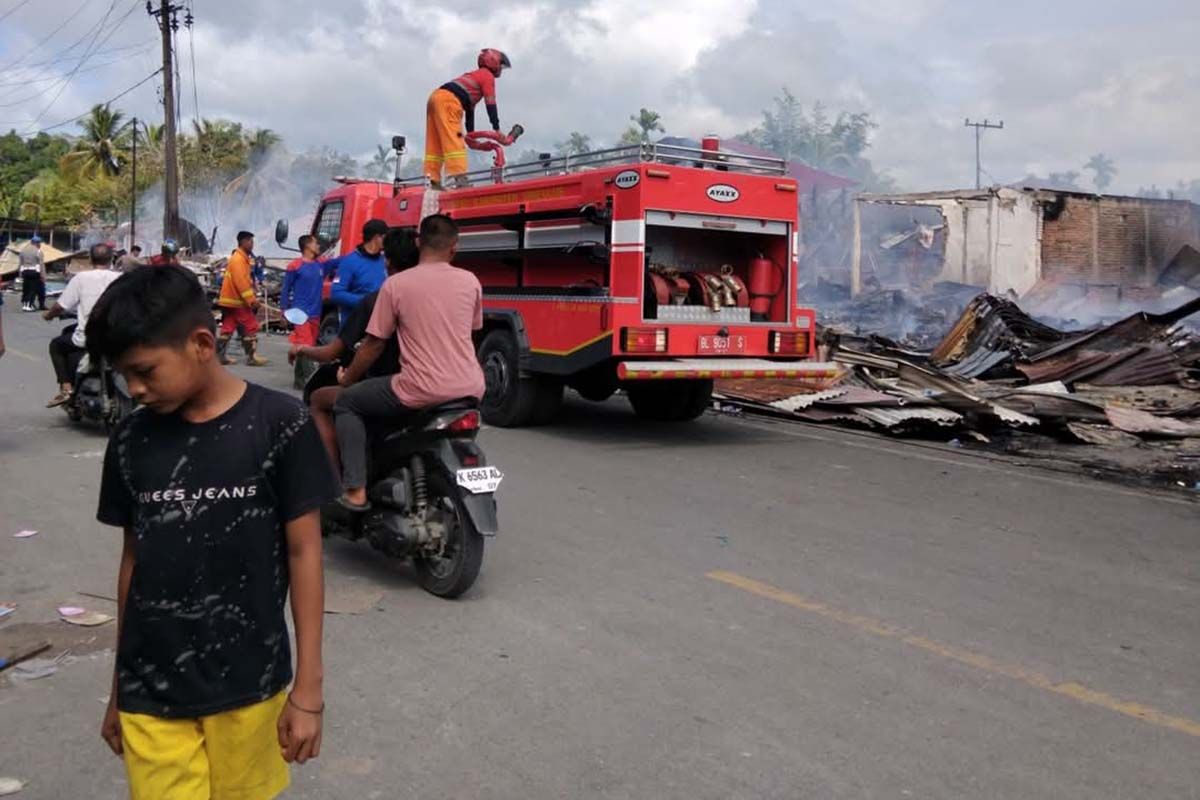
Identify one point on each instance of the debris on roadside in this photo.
(999, 374)
(82, 617)
(10, 786)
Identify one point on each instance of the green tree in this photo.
(1103, 170)
(383, 162)
(103, 148)
(21, 160)
(574, 144)
(838, 145)
(645, 124)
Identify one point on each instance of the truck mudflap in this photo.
(742, 368)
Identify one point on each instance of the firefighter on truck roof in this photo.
(453, 103)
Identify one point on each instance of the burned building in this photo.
(1019, 240)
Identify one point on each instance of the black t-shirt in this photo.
(204, 626)
(353, 331)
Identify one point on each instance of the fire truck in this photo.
(652, 269)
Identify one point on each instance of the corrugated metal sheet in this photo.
(897, 417)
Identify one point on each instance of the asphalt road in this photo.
(728, 609)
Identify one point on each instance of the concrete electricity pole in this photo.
(168, 22)
(979, 127)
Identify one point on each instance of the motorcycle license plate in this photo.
(720, 345)
(480, 480)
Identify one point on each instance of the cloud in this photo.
(1091, 76)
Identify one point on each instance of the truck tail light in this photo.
(789, 343)
(644, 340)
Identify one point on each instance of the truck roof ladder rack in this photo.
(648, 153)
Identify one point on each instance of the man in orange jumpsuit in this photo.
(448, 107)
(239, 303)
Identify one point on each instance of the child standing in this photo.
(217, 484)
(303, 286)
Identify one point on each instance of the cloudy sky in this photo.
(1069, 78)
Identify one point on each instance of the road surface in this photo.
(729, 609)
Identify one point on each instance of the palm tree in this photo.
(1103, 170)
(575, 143)
(259, 145)
(645, 124)
(103, 146)
(382, 163)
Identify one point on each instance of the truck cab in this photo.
(652, 269)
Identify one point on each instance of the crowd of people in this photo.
(214, 473)
(217, 483)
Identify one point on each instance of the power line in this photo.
(979, 128)
(189, 21)
(107, 102)
(91, 50)
(47, 38)
(14, 10)
(66, 59)
(92, 68)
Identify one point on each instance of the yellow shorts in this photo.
(233, 755)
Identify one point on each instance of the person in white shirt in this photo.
(80, 296)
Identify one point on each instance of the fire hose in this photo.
(494, 141)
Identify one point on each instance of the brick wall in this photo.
(1114, 240)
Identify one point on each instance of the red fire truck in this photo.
(648, 268)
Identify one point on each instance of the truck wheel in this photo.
(671, 401)
(330, 325)
(548, 400)
(508, 399)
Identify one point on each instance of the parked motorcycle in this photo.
(431, 490)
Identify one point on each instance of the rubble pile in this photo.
(1000, 377)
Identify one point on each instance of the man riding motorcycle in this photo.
(81, 294)
(400, 253)
(432, 309)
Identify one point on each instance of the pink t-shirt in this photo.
(432, 309)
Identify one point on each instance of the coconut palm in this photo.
(382, 163)
(645, 124)
(102, 149)
(574, 144)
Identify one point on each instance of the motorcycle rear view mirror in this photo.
(296, 316)
(281, 231)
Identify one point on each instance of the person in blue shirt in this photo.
(303, 285)
(358, 273)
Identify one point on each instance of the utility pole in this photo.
(979, 128)
(133, 191)
(168, 22)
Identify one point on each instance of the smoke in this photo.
(277, 185)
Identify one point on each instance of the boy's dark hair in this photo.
(101, 254)
(373, 228)
(137, 248)
(438, 233)
(400, 249)
(154, 307)
(243, 236)
(304, 240)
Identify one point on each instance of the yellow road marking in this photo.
(1075, 691)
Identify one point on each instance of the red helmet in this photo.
(493, 60)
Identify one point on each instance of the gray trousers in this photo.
(370, 398)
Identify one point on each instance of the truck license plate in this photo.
(480, 480)
(720, 345)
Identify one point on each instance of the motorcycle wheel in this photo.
(455, 571)
(122, 408)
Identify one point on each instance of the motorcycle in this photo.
(100, 394)
(432, 493)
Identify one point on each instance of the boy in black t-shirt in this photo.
(217, 484)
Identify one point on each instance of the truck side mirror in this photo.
(281, 231)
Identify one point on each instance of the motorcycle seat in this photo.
(394, 427)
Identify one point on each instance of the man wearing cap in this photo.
(32, 263)
(239, 303)
(169, 256)
(130, 260)
(360, 272)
